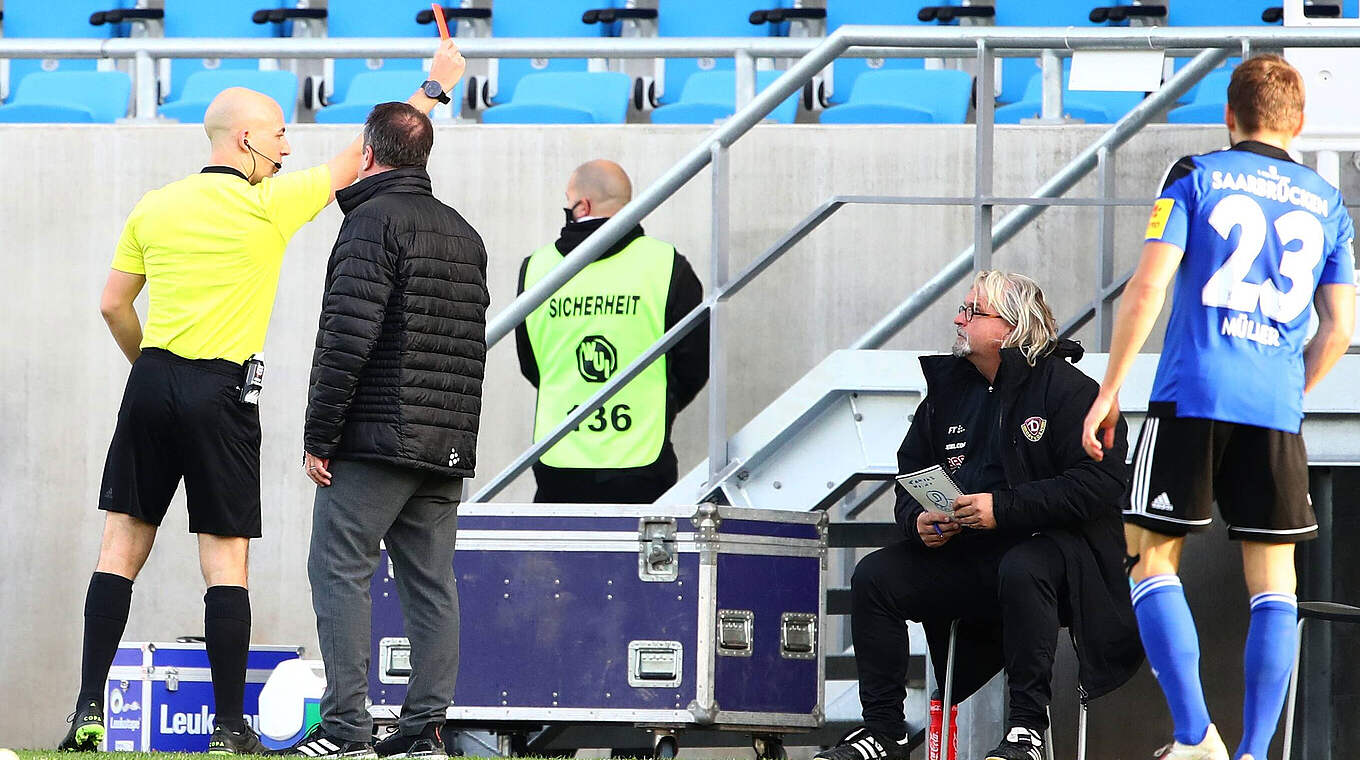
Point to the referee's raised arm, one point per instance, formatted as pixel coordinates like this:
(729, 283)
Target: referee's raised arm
(446, 68)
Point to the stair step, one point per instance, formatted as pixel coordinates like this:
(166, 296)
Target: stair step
(841, 667)
(862, 534)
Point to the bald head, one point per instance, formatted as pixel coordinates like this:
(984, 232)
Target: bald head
(603, 183)
(237, 108)
(237, 117)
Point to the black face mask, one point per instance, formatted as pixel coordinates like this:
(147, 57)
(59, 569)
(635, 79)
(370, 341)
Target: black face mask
(571, 210)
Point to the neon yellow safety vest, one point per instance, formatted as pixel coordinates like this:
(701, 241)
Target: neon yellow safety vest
(601, 320)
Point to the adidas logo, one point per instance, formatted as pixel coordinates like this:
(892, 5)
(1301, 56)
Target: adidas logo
(1162, 502)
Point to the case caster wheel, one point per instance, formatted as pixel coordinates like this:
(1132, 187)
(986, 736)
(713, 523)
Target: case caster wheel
(666, 748)
(769, 747)
(513, 744)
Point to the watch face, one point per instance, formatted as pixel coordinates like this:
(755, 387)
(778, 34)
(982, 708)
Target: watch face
(432, 88)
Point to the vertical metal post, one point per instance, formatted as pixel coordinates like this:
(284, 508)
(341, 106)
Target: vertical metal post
(717, 345)
(1315, 738)
(746, 77)
(1104, 316)
(1052, 107)
(982, 154)
(144, 69)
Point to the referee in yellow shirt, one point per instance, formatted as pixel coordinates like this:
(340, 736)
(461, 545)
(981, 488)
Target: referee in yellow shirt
(209, 249)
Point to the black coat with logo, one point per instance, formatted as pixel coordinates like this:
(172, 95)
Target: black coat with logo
(1052, 487)
(401, 348)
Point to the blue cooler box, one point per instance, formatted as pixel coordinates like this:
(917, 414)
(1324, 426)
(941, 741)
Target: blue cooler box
(659, 616)
(160, 696)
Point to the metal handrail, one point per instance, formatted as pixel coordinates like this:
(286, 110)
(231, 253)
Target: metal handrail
(1060, 183)
(1216, 41)
(867, 41)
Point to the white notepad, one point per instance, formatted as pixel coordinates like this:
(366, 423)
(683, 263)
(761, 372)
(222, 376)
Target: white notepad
(932, 488)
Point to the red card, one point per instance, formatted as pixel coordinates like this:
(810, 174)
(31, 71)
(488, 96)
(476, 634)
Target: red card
(439, 19)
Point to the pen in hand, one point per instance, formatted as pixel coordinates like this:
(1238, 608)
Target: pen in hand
(937, 529)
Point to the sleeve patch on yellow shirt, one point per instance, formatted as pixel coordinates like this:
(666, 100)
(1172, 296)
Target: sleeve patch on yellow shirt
(1161, 211)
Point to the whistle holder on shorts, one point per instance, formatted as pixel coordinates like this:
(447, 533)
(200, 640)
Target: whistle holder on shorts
(253, 381)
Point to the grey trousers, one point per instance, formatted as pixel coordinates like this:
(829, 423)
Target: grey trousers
(417, 514)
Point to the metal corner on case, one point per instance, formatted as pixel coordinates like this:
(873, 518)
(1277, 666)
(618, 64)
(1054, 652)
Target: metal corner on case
(706, 519)
(704, 715)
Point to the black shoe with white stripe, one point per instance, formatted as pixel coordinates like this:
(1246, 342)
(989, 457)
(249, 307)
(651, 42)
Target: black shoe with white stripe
(1020, 744)
(860, 744)
(317, 743)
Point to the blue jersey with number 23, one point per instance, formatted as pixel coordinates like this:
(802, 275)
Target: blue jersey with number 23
(1260, 233)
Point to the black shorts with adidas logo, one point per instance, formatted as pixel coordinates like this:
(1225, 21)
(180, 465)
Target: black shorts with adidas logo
(1258, 476)
(181, 419)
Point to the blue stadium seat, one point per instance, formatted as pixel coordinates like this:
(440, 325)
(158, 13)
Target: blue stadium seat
(69, 96)
(705, 18)
(1016, 72)
(67, 19)
(906, 97)
(842, 12)
(535, 18)
(217, 18)
(1211, 95)
(1094, 107)
(711, 96)
(565, 97)
(1222, 13)
(203, 86)
(366, 18)
(369, 88)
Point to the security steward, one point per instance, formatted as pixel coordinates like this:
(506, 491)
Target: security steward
(209, 248)
(596, 324)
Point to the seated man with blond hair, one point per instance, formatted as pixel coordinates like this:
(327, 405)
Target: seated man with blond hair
(1034, 543)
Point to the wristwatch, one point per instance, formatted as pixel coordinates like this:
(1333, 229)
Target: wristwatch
(434, 90)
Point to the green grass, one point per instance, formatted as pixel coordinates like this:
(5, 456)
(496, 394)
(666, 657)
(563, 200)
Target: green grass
(47, 754)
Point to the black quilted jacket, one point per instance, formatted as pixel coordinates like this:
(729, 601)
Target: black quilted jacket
(401, 348)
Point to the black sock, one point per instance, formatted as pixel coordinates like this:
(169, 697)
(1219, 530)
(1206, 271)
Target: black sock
(106, 613)
(226, 629)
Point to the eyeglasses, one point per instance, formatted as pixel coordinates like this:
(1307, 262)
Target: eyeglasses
(969, 311)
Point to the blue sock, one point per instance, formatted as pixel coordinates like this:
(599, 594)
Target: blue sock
(1172, 647)
(1267, 663)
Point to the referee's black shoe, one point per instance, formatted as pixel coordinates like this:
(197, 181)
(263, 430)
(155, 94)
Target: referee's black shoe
(87, 729)
(317, 743)
(242, 741)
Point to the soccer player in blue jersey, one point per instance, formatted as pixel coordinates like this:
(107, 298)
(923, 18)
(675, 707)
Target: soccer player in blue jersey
(1252, 239)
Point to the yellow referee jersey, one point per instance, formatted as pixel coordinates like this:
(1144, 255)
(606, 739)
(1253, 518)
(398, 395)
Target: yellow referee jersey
(211, 247)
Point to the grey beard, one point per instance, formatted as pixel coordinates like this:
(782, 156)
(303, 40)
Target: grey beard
(962, 349)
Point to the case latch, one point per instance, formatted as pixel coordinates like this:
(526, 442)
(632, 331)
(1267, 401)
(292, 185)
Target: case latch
(735, 630)
(394, 660)
(657, 556)
(172, 679)
(655, 664)
(798, 636)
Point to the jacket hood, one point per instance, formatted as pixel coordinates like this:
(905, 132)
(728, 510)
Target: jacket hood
(575, 233)
(409, 180)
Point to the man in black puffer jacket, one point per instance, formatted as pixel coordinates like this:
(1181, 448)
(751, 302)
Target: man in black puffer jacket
(1035, 541)
(391, 430)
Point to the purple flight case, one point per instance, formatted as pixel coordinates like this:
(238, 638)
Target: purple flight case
(660, 616)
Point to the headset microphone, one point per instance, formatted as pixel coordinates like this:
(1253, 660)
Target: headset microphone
(277, 165)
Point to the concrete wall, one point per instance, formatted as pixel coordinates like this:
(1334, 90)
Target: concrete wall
(69, 189)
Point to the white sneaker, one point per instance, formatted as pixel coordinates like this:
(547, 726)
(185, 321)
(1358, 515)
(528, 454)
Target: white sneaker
(1210, 748)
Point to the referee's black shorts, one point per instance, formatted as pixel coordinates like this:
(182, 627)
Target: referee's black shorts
(180, 418)
(1258, 477)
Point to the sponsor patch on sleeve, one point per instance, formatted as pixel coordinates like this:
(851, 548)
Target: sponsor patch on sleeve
(1161, 212)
